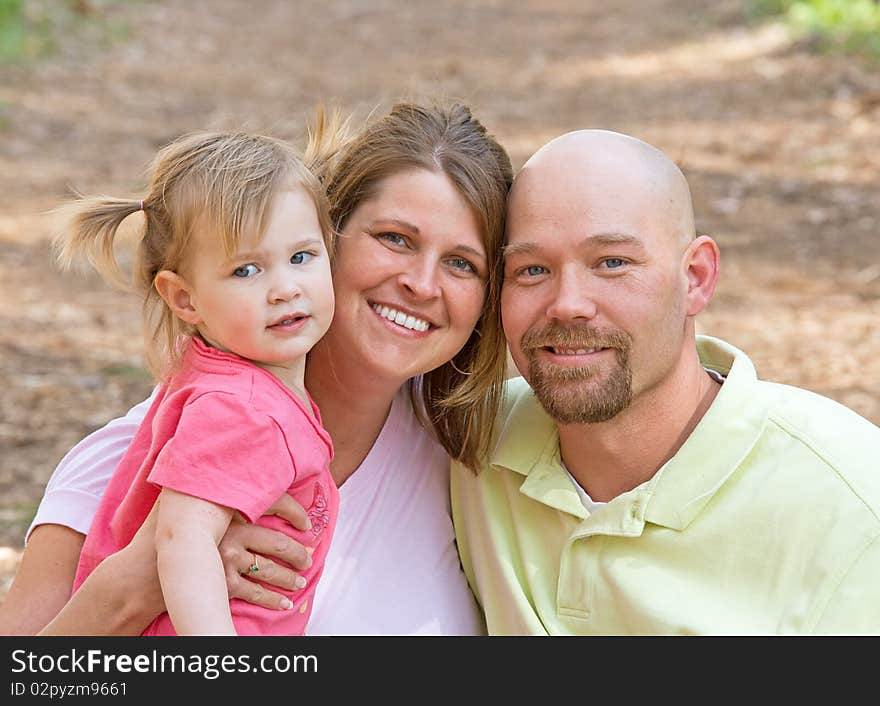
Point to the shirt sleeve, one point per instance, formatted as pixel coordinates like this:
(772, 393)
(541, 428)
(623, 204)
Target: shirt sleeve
(78, 482)
(227, 453)
(854, 607)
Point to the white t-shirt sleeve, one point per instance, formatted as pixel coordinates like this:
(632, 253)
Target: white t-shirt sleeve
(77, 484)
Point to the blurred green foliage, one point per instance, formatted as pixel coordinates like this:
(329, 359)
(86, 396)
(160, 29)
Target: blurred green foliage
(847, 25)
(30, 28)
(12, 29)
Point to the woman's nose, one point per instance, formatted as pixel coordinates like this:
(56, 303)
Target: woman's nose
(421, 281)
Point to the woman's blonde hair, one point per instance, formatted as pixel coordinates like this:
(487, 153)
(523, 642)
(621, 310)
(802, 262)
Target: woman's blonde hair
(460, 398)
(225, 180)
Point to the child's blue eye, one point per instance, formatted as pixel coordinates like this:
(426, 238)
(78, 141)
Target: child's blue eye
(248, 270)
(298, 258)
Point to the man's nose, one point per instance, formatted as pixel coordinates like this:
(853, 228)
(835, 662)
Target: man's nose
(573, 297)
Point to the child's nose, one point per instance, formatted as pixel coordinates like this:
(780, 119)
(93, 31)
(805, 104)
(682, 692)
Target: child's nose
(284, 291)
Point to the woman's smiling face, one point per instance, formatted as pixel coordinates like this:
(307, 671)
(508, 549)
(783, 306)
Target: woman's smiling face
(409, 277)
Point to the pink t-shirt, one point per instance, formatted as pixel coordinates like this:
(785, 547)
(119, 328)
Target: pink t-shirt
(393, 539)
(229, 432)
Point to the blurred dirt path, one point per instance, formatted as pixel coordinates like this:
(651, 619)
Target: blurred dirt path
(782, 148)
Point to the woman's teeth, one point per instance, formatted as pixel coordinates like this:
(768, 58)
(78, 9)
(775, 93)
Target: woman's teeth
(401, 319)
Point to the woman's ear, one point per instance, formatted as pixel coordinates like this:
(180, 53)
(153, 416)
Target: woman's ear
(701, 260)
(177, 294)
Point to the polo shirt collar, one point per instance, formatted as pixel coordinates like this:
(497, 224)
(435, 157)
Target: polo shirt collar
(675, 495)
(721, 440)
(529, 445)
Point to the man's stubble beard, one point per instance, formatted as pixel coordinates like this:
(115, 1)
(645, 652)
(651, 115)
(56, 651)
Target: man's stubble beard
(580, 395)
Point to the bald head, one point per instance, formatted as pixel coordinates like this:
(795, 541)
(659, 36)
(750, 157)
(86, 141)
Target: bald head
(613, 176)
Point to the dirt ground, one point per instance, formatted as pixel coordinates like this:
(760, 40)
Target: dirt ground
(781, 146)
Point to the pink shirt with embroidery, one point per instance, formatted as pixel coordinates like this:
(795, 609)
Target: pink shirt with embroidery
(226, 431)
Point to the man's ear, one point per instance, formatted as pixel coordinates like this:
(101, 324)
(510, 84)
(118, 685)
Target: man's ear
(701, 262)
(177, 294)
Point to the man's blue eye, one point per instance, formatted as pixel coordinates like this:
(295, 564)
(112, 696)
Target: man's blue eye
(245, 271)
(613, 263)
(298, 258)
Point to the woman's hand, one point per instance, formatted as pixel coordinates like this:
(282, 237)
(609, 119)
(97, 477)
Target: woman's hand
(242, 541)
(121, 596)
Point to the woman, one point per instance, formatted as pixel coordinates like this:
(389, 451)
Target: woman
(409, 373)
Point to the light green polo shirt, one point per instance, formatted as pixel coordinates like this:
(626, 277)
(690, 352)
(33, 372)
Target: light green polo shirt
(767, 521)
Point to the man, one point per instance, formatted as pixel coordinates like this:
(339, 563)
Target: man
(644, 480)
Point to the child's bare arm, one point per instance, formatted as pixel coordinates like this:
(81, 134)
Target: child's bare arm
(188, 530)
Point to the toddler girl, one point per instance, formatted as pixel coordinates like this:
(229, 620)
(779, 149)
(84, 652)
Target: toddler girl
(234, 267)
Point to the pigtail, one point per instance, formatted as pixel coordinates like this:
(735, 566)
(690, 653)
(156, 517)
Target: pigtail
(91, 225)
(328, 134)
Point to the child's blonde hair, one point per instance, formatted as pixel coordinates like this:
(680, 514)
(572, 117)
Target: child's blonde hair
(228, 179)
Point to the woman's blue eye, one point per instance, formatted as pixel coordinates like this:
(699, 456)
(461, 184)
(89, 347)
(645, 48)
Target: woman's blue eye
(534, 270)
(459, 263)
(298, 258)
(248, 270)
(393, 238)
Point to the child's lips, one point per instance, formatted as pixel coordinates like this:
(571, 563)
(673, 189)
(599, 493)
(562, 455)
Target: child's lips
(289, 320)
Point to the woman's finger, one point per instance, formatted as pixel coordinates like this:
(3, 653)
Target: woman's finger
(289, 509)
(264, 569)
(257, 594)
(241, 540)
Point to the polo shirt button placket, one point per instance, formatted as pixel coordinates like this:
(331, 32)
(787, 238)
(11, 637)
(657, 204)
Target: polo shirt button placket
(574, 589)
(637, 515)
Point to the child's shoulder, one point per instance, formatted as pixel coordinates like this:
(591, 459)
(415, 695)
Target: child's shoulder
(195, 378)
(215, 405)
(238, 386)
